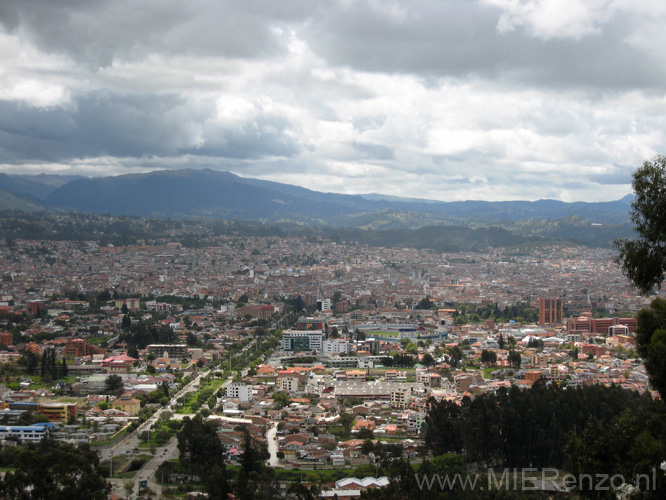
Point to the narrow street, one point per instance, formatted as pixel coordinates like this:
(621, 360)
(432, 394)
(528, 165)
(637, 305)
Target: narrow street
(271, 438)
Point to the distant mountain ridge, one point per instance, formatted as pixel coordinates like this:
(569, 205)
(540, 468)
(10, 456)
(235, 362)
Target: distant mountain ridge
(223, 195)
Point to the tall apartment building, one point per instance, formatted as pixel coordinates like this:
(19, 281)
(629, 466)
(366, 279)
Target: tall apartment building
(300, 341)
(323, 304)
(401, 397)
(551, 312)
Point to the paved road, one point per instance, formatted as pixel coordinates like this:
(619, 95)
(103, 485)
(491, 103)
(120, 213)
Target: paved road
(271, 440)
(126, 446)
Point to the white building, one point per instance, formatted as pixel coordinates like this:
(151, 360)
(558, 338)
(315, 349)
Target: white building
(25, 434)
(241, 392)
(336, 346)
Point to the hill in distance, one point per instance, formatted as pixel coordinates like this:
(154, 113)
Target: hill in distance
(208, 193)
(215, 195)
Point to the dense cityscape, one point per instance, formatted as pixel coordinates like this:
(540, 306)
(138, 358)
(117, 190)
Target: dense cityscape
(328, 358)
(345, 250)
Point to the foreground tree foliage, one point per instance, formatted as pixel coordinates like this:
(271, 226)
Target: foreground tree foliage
(644, 260)
(55, 471)
(445, 477)
(526, 428)
(201, 453)
(651, 343)
(631, 447)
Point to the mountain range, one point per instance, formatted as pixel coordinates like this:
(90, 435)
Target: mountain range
(210, 194)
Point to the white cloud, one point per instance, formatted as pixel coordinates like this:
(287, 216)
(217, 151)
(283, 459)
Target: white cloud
(445, 99)
(30, 76)
(554, 18)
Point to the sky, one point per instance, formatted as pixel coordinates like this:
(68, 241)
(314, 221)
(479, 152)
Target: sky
(439, 99)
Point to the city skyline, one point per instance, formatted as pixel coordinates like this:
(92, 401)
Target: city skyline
(456, 100)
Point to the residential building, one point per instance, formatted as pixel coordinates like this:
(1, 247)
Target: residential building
(79, 347)
(241, 392)
(401, 397)
(62, 412)
(336, 346)
(302, 340)
(171, 351)
(127, 404)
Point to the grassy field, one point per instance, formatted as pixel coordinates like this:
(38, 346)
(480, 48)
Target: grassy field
(107, 442)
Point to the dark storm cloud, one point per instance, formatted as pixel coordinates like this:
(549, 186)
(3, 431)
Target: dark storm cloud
(95, 32)
(105, 124)
(433, 39)
(460, 38)
(98, 125)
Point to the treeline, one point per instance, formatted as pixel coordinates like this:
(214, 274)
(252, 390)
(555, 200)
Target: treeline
(116, 230)
(536, 427)
(437, 235)
(140, 334)
(54, 470)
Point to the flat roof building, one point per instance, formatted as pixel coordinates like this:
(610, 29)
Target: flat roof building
(301, 341)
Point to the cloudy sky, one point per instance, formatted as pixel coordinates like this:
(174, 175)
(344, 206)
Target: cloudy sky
(441, 99)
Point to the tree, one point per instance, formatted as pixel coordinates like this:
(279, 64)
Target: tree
(129, 489)
(442, 427)
(113, 384)
(132, 352)
(651, 343)
(49, 367)
(488, 356)
(514, 359)
(368, 446)
(455, 355)
(200, 451)
(281, 398)
(126, 322)
(56, 471)
(644, 260)
(427, 359)
(425, 303)
(251, 463)
(30, 360)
